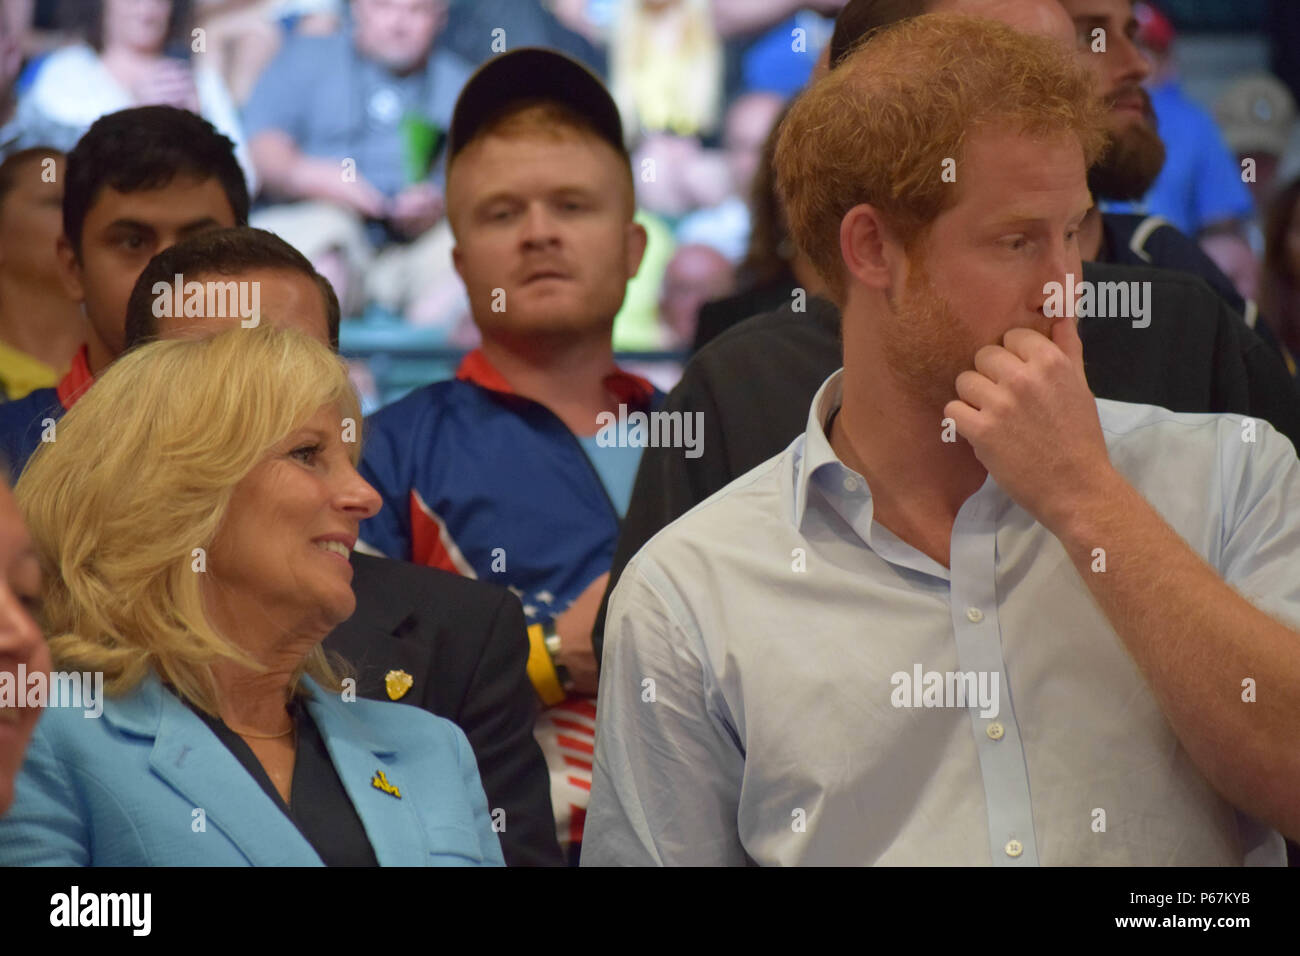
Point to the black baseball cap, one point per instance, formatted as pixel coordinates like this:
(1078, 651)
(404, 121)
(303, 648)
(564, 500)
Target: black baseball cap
(533, 73)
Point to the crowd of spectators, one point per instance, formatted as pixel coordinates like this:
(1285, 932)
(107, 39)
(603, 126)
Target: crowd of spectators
(339, 108)
(339, 113)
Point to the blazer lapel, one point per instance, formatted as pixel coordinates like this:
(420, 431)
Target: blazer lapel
(391, 822)
(197, 765)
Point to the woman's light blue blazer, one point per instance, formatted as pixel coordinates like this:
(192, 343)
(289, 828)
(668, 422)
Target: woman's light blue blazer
(148, 784)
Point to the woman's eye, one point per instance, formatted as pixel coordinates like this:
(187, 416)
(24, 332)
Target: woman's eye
(32, 604)
(306, 454)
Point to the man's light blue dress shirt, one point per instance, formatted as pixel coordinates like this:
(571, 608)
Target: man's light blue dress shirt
(753, 646)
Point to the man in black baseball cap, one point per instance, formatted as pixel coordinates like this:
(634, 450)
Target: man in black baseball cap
(533, 73)
(508, 473)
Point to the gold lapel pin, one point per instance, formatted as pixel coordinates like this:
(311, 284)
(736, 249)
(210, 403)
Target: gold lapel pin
(397, 684)
(380, 782)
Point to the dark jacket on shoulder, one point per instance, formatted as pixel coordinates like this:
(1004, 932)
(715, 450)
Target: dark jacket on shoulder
(463, 642)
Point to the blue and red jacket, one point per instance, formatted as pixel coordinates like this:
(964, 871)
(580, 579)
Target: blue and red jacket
(478, 480)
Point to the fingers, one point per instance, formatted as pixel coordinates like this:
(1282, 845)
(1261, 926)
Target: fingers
(998, 366)
(1065, 334)
(976, 390)
(963, 416)
(1032, 346)
(1027, 344)
(997, 363)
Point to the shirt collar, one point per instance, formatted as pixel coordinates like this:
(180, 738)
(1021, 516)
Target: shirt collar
(843, 491)
(627, 388)
(816, 453)
(73, 385)
(817, 470)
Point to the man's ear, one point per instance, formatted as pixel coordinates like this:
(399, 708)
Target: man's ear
(637, 238)
(69, 269)
(871, 253)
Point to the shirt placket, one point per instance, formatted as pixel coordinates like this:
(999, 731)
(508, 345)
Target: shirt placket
(976, 627)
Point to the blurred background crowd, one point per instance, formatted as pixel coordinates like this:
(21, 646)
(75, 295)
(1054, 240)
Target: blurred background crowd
(338, 109)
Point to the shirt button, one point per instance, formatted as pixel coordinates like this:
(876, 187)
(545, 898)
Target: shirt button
(1014, 849)
(850, 483)
(994, 730)
(974, 615)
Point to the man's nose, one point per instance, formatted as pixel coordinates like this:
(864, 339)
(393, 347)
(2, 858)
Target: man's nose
(1058, 265)
(538, 227)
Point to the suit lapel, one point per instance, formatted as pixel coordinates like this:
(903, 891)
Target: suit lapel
(383, 634)
(198, 766)
(391, 823)
(374, 654)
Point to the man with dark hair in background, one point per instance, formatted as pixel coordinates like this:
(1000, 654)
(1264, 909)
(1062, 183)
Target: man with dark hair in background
(137, 182)
(1106, 34)
(290, 291)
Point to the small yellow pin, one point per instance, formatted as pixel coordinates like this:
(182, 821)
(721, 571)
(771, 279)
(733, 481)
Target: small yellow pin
(380, 782)
(397, 683)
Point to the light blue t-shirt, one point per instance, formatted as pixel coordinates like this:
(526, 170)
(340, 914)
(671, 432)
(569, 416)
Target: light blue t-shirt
(616, 467)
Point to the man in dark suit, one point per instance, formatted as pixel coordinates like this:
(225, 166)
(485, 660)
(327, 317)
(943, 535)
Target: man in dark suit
(452, 645)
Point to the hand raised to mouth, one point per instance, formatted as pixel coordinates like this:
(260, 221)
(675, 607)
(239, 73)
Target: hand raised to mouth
(1031, 419)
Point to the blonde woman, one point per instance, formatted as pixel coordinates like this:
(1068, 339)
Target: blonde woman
(195, 514)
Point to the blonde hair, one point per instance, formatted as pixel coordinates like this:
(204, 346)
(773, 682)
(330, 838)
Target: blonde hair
(879, 127)
(140, 474)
